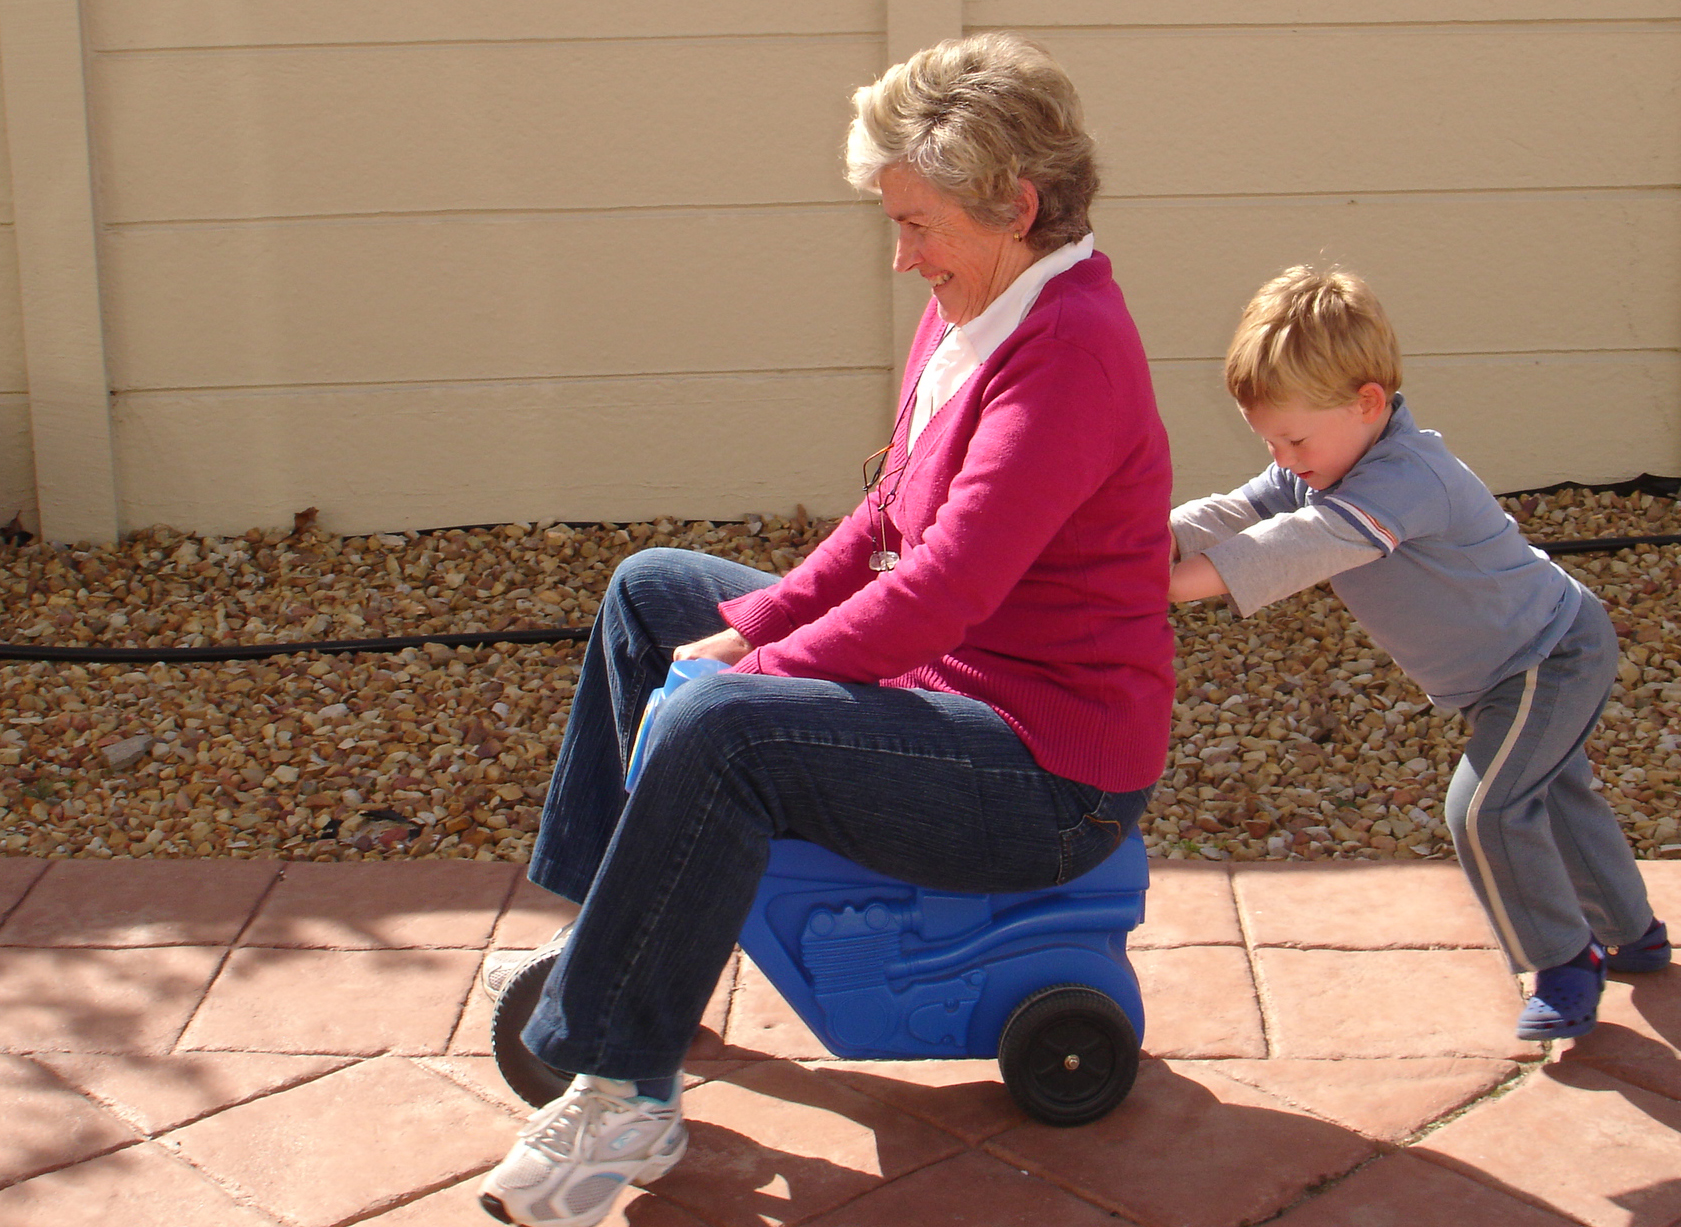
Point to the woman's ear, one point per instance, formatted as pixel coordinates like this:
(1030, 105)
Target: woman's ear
(1027, 208)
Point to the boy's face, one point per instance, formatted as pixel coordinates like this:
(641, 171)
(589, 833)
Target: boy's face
(1320, 446)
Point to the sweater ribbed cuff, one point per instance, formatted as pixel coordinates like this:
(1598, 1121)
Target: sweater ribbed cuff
(758, 617)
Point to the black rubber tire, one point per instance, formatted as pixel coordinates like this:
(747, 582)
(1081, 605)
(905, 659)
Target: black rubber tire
(1062, 1024)
(529, 1078)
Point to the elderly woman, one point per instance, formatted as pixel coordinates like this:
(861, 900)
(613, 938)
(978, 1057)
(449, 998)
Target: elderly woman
(967, 685)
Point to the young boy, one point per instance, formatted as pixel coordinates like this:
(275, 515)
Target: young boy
(1439, 576)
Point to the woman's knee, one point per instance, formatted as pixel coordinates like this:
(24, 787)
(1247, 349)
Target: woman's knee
(647, 567)
(716, 714)
(646, 583)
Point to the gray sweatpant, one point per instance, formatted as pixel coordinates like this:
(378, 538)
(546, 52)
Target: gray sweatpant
(1543, 850)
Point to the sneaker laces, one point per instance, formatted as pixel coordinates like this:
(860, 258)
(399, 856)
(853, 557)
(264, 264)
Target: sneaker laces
(557, 1129)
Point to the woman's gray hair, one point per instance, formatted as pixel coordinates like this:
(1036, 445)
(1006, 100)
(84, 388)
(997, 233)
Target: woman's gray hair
(972, 116)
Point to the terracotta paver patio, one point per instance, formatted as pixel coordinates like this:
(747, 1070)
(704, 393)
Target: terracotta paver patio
(257, 1044)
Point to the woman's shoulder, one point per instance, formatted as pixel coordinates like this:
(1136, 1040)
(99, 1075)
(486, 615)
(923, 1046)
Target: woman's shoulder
(1084, 308)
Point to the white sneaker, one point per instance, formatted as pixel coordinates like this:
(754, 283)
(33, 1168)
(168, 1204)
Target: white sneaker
(576, 1155)
(501, 966)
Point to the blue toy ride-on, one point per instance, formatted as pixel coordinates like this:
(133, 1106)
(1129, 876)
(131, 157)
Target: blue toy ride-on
(881, 969)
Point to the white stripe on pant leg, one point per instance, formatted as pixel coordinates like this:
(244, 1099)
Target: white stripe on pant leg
(1496, 905)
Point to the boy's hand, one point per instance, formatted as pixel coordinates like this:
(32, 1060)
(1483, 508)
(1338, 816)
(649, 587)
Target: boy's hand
(1195, 579)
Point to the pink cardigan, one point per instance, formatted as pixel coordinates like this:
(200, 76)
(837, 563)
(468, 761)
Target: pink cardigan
(1032, 524)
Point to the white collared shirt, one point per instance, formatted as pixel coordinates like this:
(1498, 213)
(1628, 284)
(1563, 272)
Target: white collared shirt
(966, 346)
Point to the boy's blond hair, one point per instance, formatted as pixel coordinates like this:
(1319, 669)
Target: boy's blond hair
(1317, 335)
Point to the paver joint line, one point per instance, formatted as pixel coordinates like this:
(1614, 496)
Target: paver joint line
(1302, 1094)
(1263, 1000)
(1526, 1070)
(227, 953)
(1315, 1191)
(35, 881)
(235, 1192)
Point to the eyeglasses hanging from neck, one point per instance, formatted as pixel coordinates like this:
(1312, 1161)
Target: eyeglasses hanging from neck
(881, 558)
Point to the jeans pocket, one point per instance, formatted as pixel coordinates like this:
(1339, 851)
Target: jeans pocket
(1086, 844)
(1084, 848)
(1108, 820)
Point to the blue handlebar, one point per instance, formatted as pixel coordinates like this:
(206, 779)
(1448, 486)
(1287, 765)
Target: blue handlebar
(681, 671)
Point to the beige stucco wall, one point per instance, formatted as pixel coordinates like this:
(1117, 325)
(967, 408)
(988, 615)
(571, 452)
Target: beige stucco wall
(17, 453)
(1508, 187)
(415, 262)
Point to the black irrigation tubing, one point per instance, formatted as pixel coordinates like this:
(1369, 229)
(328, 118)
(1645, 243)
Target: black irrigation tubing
(259, 651)
(1604, 545)
(481, 639)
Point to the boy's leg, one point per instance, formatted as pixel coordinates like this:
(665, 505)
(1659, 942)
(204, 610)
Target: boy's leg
(1597, 856)
(1525, 734)
(930, 787)
(658, 600)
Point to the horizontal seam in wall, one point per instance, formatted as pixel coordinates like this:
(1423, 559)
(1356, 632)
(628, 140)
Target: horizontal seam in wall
(1489, 357)
(494, 215)
(875, 36)
(1469, 357)
(1642, 191)
(1505, 195)
(781, 372)
(1540, 24)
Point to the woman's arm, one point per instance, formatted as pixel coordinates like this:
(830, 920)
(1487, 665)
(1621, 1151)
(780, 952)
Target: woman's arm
(1051, 433)
(837, 568)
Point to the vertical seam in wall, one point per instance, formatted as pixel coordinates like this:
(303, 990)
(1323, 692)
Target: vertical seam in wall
(43, 72)
(911, 26)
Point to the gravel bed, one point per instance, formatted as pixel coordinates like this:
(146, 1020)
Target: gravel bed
(1294, 736)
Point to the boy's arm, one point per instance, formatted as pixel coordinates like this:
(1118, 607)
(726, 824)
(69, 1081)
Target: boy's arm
(1272, 559)
(1194, 579)
(1202, 522)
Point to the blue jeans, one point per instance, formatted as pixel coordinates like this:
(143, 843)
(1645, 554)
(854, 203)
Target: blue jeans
(932, 788)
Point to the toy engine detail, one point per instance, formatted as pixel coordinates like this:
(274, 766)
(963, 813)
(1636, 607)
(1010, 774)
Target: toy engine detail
(847, 952)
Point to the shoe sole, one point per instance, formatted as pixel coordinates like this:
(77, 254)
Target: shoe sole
(649, 1172)
(1564, 1031)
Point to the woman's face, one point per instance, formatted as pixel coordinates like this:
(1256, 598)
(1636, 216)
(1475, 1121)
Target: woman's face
(966, 264)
